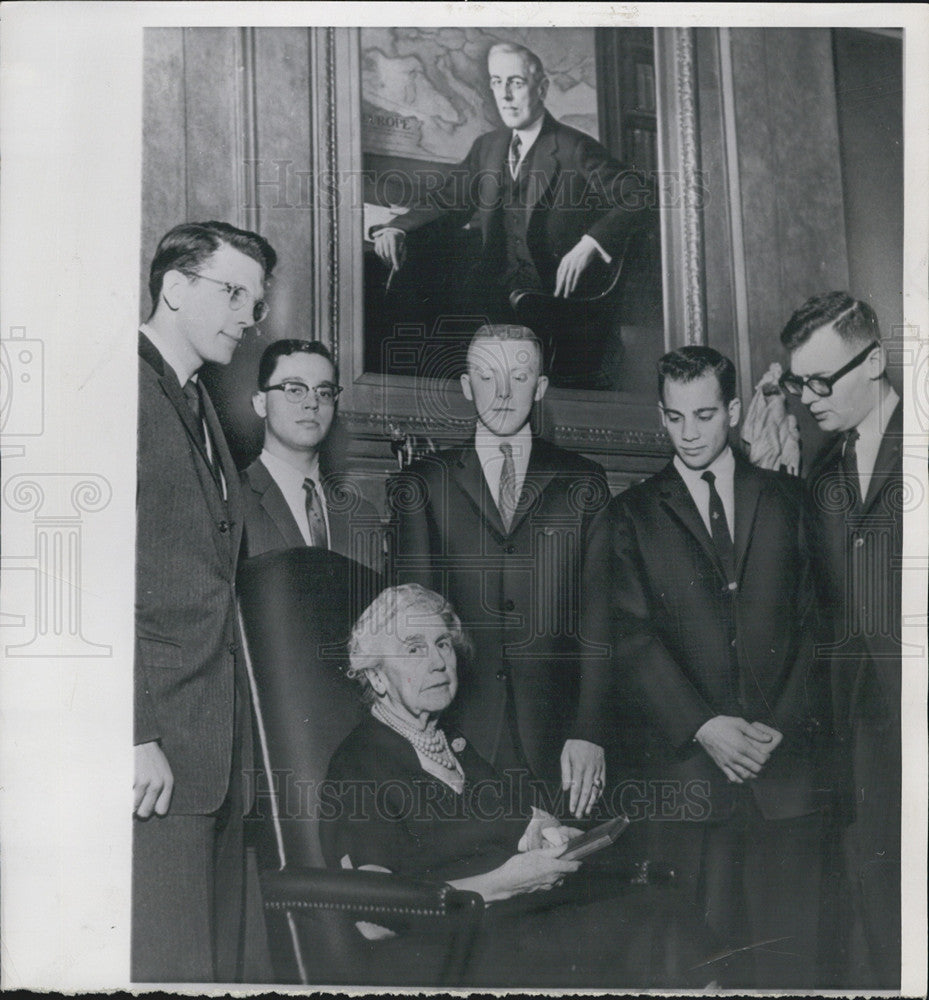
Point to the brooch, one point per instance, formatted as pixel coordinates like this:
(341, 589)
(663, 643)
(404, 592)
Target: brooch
(458, 744)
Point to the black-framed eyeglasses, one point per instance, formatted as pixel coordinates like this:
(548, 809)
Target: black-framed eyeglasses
(822, 384)
(295, 392)
(238, 296)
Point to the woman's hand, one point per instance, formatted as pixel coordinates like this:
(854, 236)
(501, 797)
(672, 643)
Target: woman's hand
(533, 838)
(530, 871)
(545, 831)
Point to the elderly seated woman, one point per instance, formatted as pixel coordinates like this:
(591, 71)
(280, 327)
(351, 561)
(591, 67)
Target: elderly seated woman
(419, 801)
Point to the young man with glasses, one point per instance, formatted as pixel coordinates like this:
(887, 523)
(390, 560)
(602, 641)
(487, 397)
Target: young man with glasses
(190, 890)
(293, 496)
(854, 500)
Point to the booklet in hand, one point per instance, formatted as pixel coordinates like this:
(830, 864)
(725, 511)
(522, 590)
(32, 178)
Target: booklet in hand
(594, 840)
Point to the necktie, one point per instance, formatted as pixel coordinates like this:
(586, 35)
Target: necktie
(314, 516)
(192, 395)
(722, 540)
(506, 494)
(515, 146)
(850, 465)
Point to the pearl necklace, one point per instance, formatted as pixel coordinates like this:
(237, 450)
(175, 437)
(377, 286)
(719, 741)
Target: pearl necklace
(433, 745)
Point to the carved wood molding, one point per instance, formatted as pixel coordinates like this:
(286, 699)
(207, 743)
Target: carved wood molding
(245, 143)
(682, 187)
(375, 426)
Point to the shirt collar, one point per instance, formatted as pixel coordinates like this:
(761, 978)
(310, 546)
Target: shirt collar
(282, 470)
(528, 135)
(723, 467)
(487, 444)
(169, 353)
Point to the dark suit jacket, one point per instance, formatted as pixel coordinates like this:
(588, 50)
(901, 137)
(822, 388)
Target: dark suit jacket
(354, 526)
(656, 591)
(575, 187)
(191, 692)
(857, 552)
(517, 593)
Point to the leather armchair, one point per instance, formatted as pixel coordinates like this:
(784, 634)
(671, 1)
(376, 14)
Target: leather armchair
(297, 607)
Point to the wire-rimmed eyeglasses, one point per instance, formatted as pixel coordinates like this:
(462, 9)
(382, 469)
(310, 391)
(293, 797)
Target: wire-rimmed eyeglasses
(238, 296)
(296, 392)
(822, 384)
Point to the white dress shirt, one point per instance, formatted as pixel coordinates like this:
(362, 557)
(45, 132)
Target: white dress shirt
(870, 434)
(290, 482)
(487, 446)
(723, 467)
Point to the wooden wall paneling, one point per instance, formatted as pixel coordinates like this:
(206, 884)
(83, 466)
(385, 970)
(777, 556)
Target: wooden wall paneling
(869, 85)
(792, 208)
(274, 107)
(213, 124)
(164, 146)
(283, 177)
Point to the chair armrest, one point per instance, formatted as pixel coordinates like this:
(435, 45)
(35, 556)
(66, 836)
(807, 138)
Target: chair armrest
(364, 894)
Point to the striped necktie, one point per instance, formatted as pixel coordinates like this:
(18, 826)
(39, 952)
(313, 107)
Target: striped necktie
(314, 516)
(506, 494)
(516, 145)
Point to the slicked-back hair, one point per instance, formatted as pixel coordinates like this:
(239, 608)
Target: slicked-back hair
(693, 362)
(853, 320)
(383, 616)
(534, 62)
(187, 246)
(284, 348)
(509, 331)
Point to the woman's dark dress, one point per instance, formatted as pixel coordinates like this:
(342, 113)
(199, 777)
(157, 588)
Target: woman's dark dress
(597, 930)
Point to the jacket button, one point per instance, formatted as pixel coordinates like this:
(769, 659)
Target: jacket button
(233, 647)
(508, 605)
(509, 548)
(223, 526)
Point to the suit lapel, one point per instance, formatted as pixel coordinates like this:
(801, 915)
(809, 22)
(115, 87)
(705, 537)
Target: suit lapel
(224, 463)
(676, 497)
(539, 474)
(274, 504)
(544, 164)
(469, 476)
(887, 463)
(491, 181)
(170, 386)
(747, 493)
(338, 516)
(167, 381)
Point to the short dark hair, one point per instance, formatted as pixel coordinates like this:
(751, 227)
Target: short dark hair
(853, 320)
(692, 362)
(284, 348)
(187, 246)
